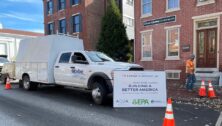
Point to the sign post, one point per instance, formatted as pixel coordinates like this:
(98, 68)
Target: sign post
(139, 89)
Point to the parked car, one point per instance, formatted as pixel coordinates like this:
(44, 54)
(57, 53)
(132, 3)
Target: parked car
(62, 60)
(8, 70)
(3, 60)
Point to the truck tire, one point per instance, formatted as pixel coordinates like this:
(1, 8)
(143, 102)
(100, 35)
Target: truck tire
(27, 84)
(99, 93)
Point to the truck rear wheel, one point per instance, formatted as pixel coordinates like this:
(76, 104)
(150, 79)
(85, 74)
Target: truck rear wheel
(99, 93)
(27, 84)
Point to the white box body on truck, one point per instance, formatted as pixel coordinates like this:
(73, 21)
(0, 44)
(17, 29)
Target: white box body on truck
(61, 60)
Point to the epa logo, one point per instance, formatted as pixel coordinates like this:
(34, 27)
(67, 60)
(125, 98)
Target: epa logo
(140, 102)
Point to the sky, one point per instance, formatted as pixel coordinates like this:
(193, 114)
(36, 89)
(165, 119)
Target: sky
(24, 15)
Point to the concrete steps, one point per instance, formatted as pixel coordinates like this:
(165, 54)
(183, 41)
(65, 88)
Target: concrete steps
(214, 77)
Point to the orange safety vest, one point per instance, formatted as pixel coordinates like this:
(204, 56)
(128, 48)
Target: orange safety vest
(189, 67)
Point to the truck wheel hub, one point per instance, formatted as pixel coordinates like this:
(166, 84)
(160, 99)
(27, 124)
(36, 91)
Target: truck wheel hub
(96, 93)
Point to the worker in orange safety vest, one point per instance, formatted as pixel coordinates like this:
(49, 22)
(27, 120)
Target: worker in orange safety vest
(191, 79)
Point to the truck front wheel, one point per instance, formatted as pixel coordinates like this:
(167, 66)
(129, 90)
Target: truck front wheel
(27, 85)
(99, 93)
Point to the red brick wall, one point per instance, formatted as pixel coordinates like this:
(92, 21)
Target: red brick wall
(95, 11)
(183, 18)
(91, 12)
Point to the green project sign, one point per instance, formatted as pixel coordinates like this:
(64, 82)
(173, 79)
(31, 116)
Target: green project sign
(160, 21)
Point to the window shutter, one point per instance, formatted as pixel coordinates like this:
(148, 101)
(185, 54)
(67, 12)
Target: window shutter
(80, 22)
(65, 26)
(71, 24)
(47, 28)
(71, 2)
(57, 5)
(46, 8)
(53, 25)
(59, 28)
(65, 4)
(52, 7)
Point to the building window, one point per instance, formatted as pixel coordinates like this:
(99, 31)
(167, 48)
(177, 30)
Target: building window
(173, 4)
(173, 74)
(3, 49)
(204, 2)
(61, 4)
(62, 26)
(49, 7)
(129, 2)
(146, 41)
(128, 21)
(50, 28)
(146, 7)
(207, 24)
(173, 42)
(75, 2)
(76, 23)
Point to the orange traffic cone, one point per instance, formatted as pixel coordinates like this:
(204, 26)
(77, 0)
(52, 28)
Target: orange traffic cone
(211, 93)
(202, 90)
(169, 118)
(8, 85)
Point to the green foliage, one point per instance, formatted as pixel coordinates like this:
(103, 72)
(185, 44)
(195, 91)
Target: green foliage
(113, 38)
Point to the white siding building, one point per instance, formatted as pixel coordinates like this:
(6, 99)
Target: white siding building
(10, 39)
(128, 17)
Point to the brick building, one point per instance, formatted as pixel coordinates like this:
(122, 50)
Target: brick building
(75, 17)
(80, 18)
(168, 31)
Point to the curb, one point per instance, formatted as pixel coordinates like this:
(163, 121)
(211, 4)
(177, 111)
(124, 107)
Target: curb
(219, 121)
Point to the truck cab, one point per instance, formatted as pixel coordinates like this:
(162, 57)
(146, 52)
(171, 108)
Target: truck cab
(89, 70)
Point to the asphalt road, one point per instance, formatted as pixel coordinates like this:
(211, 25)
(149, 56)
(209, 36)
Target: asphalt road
(49, 106)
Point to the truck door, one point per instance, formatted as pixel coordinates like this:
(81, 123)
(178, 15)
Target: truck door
(79, 69)
(62, 69)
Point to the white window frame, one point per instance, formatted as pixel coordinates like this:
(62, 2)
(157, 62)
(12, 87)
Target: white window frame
(128, 21)
(63, 18)
(151, 44)
(148, 14)
(75, 4)
(205, 2)
(80, 23)
(47, 2)
(173, 71)
(171, 9)
(59, 6)
(167, 32)
(128, 2)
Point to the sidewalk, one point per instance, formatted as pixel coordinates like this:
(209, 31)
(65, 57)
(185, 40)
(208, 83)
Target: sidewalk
(180, 95)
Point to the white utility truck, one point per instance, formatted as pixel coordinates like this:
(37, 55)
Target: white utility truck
(62, 60)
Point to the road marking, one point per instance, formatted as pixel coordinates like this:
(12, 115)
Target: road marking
(219, 121)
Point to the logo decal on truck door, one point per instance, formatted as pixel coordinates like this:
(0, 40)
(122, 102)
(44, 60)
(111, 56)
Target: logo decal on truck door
(77, 71)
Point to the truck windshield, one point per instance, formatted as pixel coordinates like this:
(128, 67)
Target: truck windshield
(98, 57)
